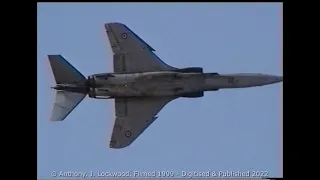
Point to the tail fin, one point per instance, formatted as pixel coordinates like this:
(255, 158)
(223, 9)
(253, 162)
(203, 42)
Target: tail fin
(65, 101)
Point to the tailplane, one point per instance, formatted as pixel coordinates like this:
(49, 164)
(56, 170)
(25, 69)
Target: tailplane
(64, 73)
(64, 103)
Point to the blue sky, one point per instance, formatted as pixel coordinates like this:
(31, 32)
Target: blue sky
(227, 130)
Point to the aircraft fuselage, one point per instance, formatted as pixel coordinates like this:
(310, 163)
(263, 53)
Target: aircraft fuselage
(164, 83)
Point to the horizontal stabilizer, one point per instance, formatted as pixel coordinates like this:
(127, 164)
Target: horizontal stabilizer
(65, 102)
(63, 71)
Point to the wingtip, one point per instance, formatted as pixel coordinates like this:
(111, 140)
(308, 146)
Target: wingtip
(112, 23)
(114, 145)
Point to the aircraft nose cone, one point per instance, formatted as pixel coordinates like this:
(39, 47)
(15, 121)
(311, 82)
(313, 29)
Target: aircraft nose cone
(273, 79)
(280, 79)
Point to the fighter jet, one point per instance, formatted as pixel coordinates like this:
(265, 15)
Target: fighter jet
(141, 84)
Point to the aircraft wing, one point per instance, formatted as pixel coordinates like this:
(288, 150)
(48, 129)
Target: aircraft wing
(131, 54)
(133, 116)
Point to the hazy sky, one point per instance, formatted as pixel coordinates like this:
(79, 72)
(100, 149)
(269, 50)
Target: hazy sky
(227, 130)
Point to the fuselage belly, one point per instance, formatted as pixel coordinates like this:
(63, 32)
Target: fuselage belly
(147, 84)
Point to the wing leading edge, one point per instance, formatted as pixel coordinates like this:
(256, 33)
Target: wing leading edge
(131, 54)
(133, 116)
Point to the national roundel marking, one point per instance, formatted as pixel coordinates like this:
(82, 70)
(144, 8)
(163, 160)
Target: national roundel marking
(124, 35)
(127, 133)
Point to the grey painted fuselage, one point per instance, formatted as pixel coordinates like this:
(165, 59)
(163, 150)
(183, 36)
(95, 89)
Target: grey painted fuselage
(166, 83)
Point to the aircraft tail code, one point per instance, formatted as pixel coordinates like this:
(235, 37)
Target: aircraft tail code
(65, 102)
